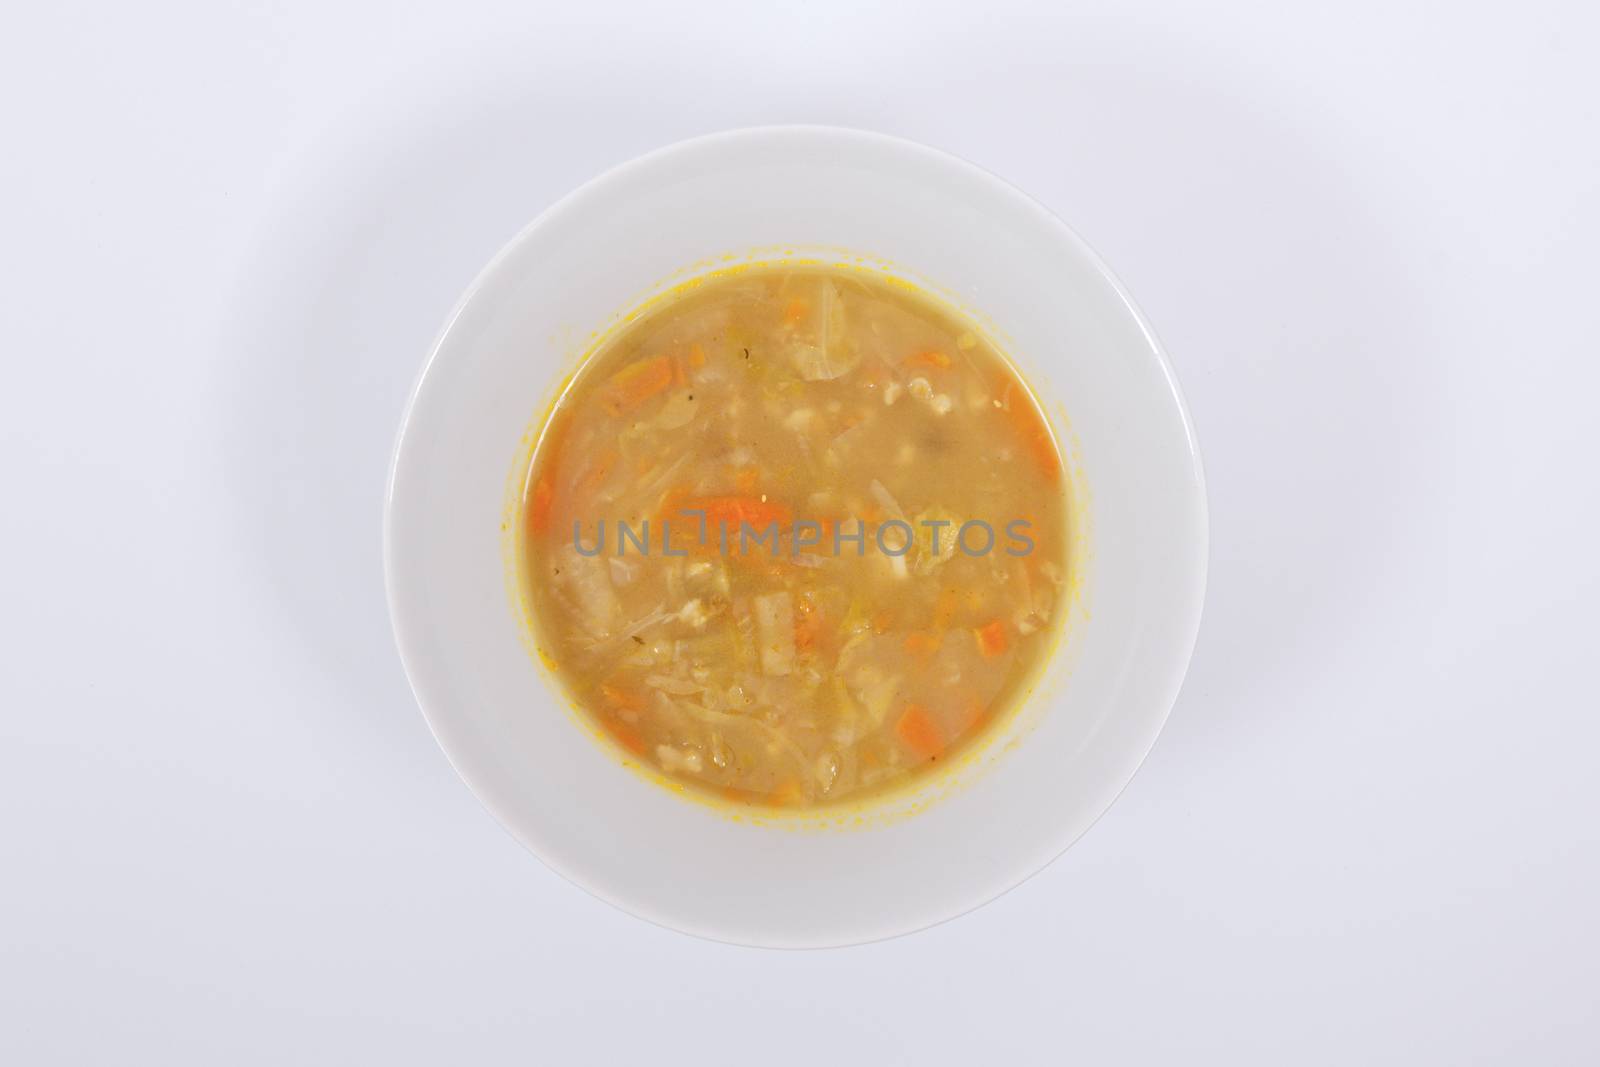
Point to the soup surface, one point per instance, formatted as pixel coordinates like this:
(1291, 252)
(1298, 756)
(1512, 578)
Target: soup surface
(796, 534)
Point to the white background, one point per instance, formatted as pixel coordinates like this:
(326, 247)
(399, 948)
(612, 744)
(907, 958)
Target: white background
(1367, 234)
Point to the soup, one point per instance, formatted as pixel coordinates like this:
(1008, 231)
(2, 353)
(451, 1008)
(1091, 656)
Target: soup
(795, 535)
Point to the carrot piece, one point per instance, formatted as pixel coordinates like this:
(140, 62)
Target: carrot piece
(992, 638)
(1031, 428)
(787, 792)
(621, 698)
(625, 735)
(917, 730)
(634, 384)
(930, 357)
(883, 621)
(795, 310)
(921, 644)
(807, 624)
(540, 502)
(730, 512)
(734, 510)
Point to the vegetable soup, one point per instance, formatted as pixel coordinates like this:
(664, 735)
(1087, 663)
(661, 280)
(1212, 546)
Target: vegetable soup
(796, 534)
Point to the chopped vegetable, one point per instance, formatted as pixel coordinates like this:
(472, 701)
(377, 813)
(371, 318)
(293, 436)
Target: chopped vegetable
(634, 384)
(928, 357)
(679, 409)
(992, 639)
(891, 506)
(624, 571)
(827, 771)
(627, 736)
(539, 504)
(674, 759)
(807, 625)
(584, 585)
(919, 732)
(1030, 428)
(619, 697)
(775, 632)
(675, 686)
(821, 350)
(731, 511)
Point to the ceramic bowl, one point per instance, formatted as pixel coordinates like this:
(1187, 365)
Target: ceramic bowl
(908, 860)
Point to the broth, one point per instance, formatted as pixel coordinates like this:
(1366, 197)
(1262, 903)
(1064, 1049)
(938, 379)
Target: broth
(796, 535)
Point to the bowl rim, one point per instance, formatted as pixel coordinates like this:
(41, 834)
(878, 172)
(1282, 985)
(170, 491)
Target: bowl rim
(407, 642)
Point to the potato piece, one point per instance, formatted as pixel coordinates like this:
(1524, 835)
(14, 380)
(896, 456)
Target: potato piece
(775, 632)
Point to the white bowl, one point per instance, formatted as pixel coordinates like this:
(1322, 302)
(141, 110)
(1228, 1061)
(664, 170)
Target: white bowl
(915, 858)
